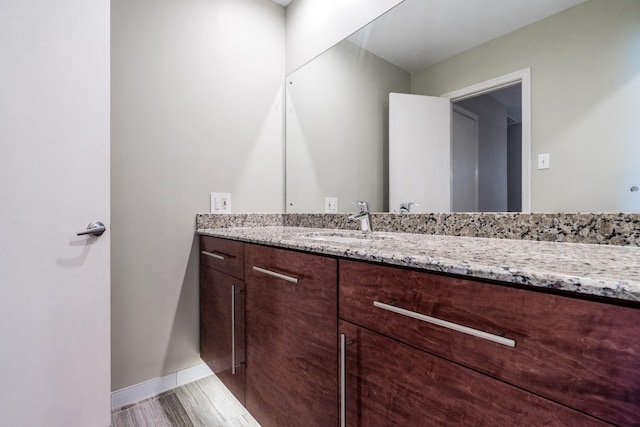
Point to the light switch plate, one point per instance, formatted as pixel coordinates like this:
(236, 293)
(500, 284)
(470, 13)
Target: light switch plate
(543, 161)
(330, 205)
(220, 203)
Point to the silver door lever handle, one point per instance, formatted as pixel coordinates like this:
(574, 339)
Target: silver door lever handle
(95, 229)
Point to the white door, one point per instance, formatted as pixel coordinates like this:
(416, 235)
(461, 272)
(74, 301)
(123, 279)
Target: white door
(419, 152)
(54, 180)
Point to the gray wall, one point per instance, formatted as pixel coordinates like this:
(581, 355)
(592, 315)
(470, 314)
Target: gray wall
(586, 122)
(196, 107)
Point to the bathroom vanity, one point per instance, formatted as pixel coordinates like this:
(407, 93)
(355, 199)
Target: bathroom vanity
(404, 329)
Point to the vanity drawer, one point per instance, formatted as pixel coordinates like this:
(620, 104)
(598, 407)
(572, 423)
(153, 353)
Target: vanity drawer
(224, 255)
(583, 354)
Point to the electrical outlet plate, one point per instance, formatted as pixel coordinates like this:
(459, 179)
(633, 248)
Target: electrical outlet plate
(220, 203)
(543, 161)
(330, 205)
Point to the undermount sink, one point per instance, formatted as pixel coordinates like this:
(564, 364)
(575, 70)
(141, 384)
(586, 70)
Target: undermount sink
(336, 237)
(341, 239)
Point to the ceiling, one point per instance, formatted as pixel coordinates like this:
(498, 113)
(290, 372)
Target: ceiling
(283, 3)
(419, 33)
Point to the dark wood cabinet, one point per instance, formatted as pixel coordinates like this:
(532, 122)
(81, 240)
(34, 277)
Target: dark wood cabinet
(421, 348)
(389, 383)
(222, 322)
(582, 354)
(291, 325)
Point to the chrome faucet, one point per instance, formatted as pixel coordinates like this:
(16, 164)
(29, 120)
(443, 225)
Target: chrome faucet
(364, 216)
(406, 207)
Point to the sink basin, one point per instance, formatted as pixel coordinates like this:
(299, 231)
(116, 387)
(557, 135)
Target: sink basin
(341, 239)
(336, 237)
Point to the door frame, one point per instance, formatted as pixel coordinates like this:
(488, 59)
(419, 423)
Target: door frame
(522, 77)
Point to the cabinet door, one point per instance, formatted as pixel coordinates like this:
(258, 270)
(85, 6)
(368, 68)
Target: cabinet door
(389, 383)
(583, 354)
(222, 328)
(291, 338)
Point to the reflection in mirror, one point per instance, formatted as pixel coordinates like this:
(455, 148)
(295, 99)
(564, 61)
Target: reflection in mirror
(486, 152)
(336, 129)
(470, 151)
(585, 79)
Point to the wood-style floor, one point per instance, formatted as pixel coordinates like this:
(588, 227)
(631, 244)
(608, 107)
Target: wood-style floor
(203, 403)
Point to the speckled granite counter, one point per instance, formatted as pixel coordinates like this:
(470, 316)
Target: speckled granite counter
(601, 228)
(601, 270)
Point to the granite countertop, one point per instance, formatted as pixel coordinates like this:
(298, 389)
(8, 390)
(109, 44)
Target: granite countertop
(601, 270)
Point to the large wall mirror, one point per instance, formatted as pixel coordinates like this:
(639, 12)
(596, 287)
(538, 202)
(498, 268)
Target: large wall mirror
(584, 84)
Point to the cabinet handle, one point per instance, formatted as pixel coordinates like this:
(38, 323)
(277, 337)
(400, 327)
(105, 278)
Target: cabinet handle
(212, 255)
(343, 380)
(445, 324)
(274, 274)
(233, 329)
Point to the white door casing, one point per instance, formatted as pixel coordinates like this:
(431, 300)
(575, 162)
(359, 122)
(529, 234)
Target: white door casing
(54, 181)
(419, 152)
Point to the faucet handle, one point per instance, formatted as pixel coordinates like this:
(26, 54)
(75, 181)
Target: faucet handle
(406, 207)
(364, 206)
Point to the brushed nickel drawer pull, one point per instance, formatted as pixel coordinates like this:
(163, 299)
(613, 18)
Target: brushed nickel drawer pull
(445, 324)
(343, 380)
(274, 274)
(212, 255)
(233, 329)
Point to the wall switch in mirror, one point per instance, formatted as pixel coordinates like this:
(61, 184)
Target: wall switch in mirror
(220, 203)
(330, 205)
(543, 161)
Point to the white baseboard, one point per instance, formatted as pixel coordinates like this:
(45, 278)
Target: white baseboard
(159, 385)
